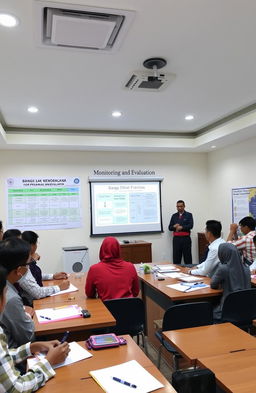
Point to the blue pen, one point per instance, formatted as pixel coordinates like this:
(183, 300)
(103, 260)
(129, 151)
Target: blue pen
(131, 385)
(65, 336)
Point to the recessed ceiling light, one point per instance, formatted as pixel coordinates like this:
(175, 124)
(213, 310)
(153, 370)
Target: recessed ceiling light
(189, 117)
(7, 20)
(32, 109)
(213, 146)
(116, 113)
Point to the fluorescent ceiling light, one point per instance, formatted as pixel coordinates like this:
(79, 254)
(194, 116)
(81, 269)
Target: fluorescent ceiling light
(213, 146)
(7, 20)
(32, 109)
(116, 113)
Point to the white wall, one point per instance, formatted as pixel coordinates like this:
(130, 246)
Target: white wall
(229, 168)
(185, 177)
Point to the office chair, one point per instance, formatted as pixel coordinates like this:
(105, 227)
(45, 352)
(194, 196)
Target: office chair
(239, 308)
(130, 317)
(182, 316)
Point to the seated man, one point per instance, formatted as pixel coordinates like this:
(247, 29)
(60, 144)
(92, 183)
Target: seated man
(112, 278)
(16, 323)
(245, 242)
(213, 236)
(12, 233)
(32, 286)
(11, 379)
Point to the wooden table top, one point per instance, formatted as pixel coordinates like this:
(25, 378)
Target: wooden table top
(68, 378)
(100, 316)
(235, 372)
(211, 340)
(173, 294)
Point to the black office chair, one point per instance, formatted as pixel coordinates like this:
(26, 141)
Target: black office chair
(129, 314)
(239, 308)
(182, 316)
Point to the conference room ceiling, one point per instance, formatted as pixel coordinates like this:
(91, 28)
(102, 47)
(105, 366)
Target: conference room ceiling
(208, 45)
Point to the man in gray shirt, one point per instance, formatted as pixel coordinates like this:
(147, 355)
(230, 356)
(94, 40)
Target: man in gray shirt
(16, 323)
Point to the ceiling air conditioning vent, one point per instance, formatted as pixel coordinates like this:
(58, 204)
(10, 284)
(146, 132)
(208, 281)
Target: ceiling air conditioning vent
(78, 27)
(146, 81)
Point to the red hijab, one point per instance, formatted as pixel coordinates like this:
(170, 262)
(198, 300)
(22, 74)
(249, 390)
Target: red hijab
(110, 250)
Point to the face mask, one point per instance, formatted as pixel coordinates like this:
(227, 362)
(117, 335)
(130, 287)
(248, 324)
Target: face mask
(23, 278)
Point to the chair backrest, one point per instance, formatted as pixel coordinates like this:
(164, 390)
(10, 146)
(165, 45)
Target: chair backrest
(182, 316)
(239, 307)
(129, 314)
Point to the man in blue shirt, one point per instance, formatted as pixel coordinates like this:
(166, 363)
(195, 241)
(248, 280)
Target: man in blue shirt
(181, 224)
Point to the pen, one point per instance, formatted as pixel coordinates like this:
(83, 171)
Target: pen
(131, 385)
(42, 316)
(65, 336)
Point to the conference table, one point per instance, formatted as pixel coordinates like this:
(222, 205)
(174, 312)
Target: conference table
(234, 372)
(211, 340)
(79, 327)
(75, 377)
(158, 297)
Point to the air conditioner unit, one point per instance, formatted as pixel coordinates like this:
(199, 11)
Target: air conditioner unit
(81, 27)
(75, 259)
(146, 81)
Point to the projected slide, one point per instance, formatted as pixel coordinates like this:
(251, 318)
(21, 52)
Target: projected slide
(125, 207)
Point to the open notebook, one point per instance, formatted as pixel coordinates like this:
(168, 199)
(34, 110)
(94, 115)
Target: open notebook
(118, 379)
(76, 354)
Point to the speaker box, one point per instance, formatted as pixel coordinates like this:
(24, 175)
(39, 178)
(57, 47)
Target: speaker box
(75, 259)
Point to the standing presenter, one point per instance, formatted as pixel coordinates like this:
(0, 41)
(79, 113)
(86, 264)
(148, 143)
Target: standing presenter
(181, 224)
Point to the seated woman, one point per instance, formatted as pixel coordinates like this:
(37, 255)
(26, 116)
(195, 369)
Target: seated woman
(231, 274)
(111, 278)
(11, 380)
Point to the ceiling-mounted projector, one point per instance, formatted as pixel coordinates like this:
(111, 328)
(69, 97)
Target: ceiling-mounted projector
(150, 80)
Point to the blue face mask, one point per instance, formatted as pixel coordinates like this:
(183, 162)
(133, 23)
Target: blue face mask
(23, 278)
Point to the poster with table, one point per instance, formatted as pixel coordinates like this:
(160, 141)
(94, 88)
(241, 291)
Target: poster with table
(43, 203)
(243, 203)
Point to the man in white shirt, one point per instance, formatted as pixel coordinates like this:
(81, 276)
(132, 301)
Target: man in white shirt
(213, 236)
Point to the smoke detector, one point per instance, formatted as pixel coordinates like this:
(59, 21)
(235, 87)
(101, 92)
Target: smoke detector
(81, 27)
(150, 80)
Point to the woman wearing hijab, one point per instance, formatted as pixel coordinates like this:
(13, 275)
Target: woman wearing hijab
(231, 275)
(112, 277)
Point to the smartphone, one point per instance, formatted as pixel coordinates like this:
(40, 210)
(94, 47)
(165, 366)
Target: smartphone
(65, 336)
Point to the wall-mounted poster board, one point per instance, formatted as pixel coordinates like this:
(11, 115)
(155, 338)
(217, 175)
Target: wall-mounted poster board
(43, 203)
(243, 203)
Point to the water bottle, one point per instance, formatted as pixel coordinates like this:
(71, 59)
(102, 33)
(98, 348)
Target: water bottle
(141, 269)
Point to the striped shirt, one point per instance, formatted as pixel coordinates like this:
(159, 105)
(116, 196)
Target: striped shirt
(31, 290)
(11, 381)
(246, 245)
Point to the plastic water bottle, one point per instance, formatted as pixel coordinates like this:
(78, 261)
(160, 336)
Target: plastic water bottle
(141, 270)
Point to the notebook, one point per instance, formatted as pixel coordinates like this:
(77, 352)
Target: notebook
(187, 287)
(128, 373)
(61, 313)
(76, 354)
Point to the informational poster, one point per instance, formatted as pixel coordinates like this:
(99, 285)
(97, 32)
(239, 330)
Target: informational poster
(43, 203)
(243, 203)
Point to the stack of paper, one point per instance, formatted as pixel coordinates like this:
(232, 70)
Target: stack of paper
(188, 278)
(47, 315)
(71, 288)
(124, 377)
(76, 354)
(166, 268)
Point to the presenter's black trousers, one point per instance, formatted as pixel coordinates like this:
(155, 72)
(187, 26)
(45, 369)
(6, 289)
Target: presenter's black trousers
(182, 247)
